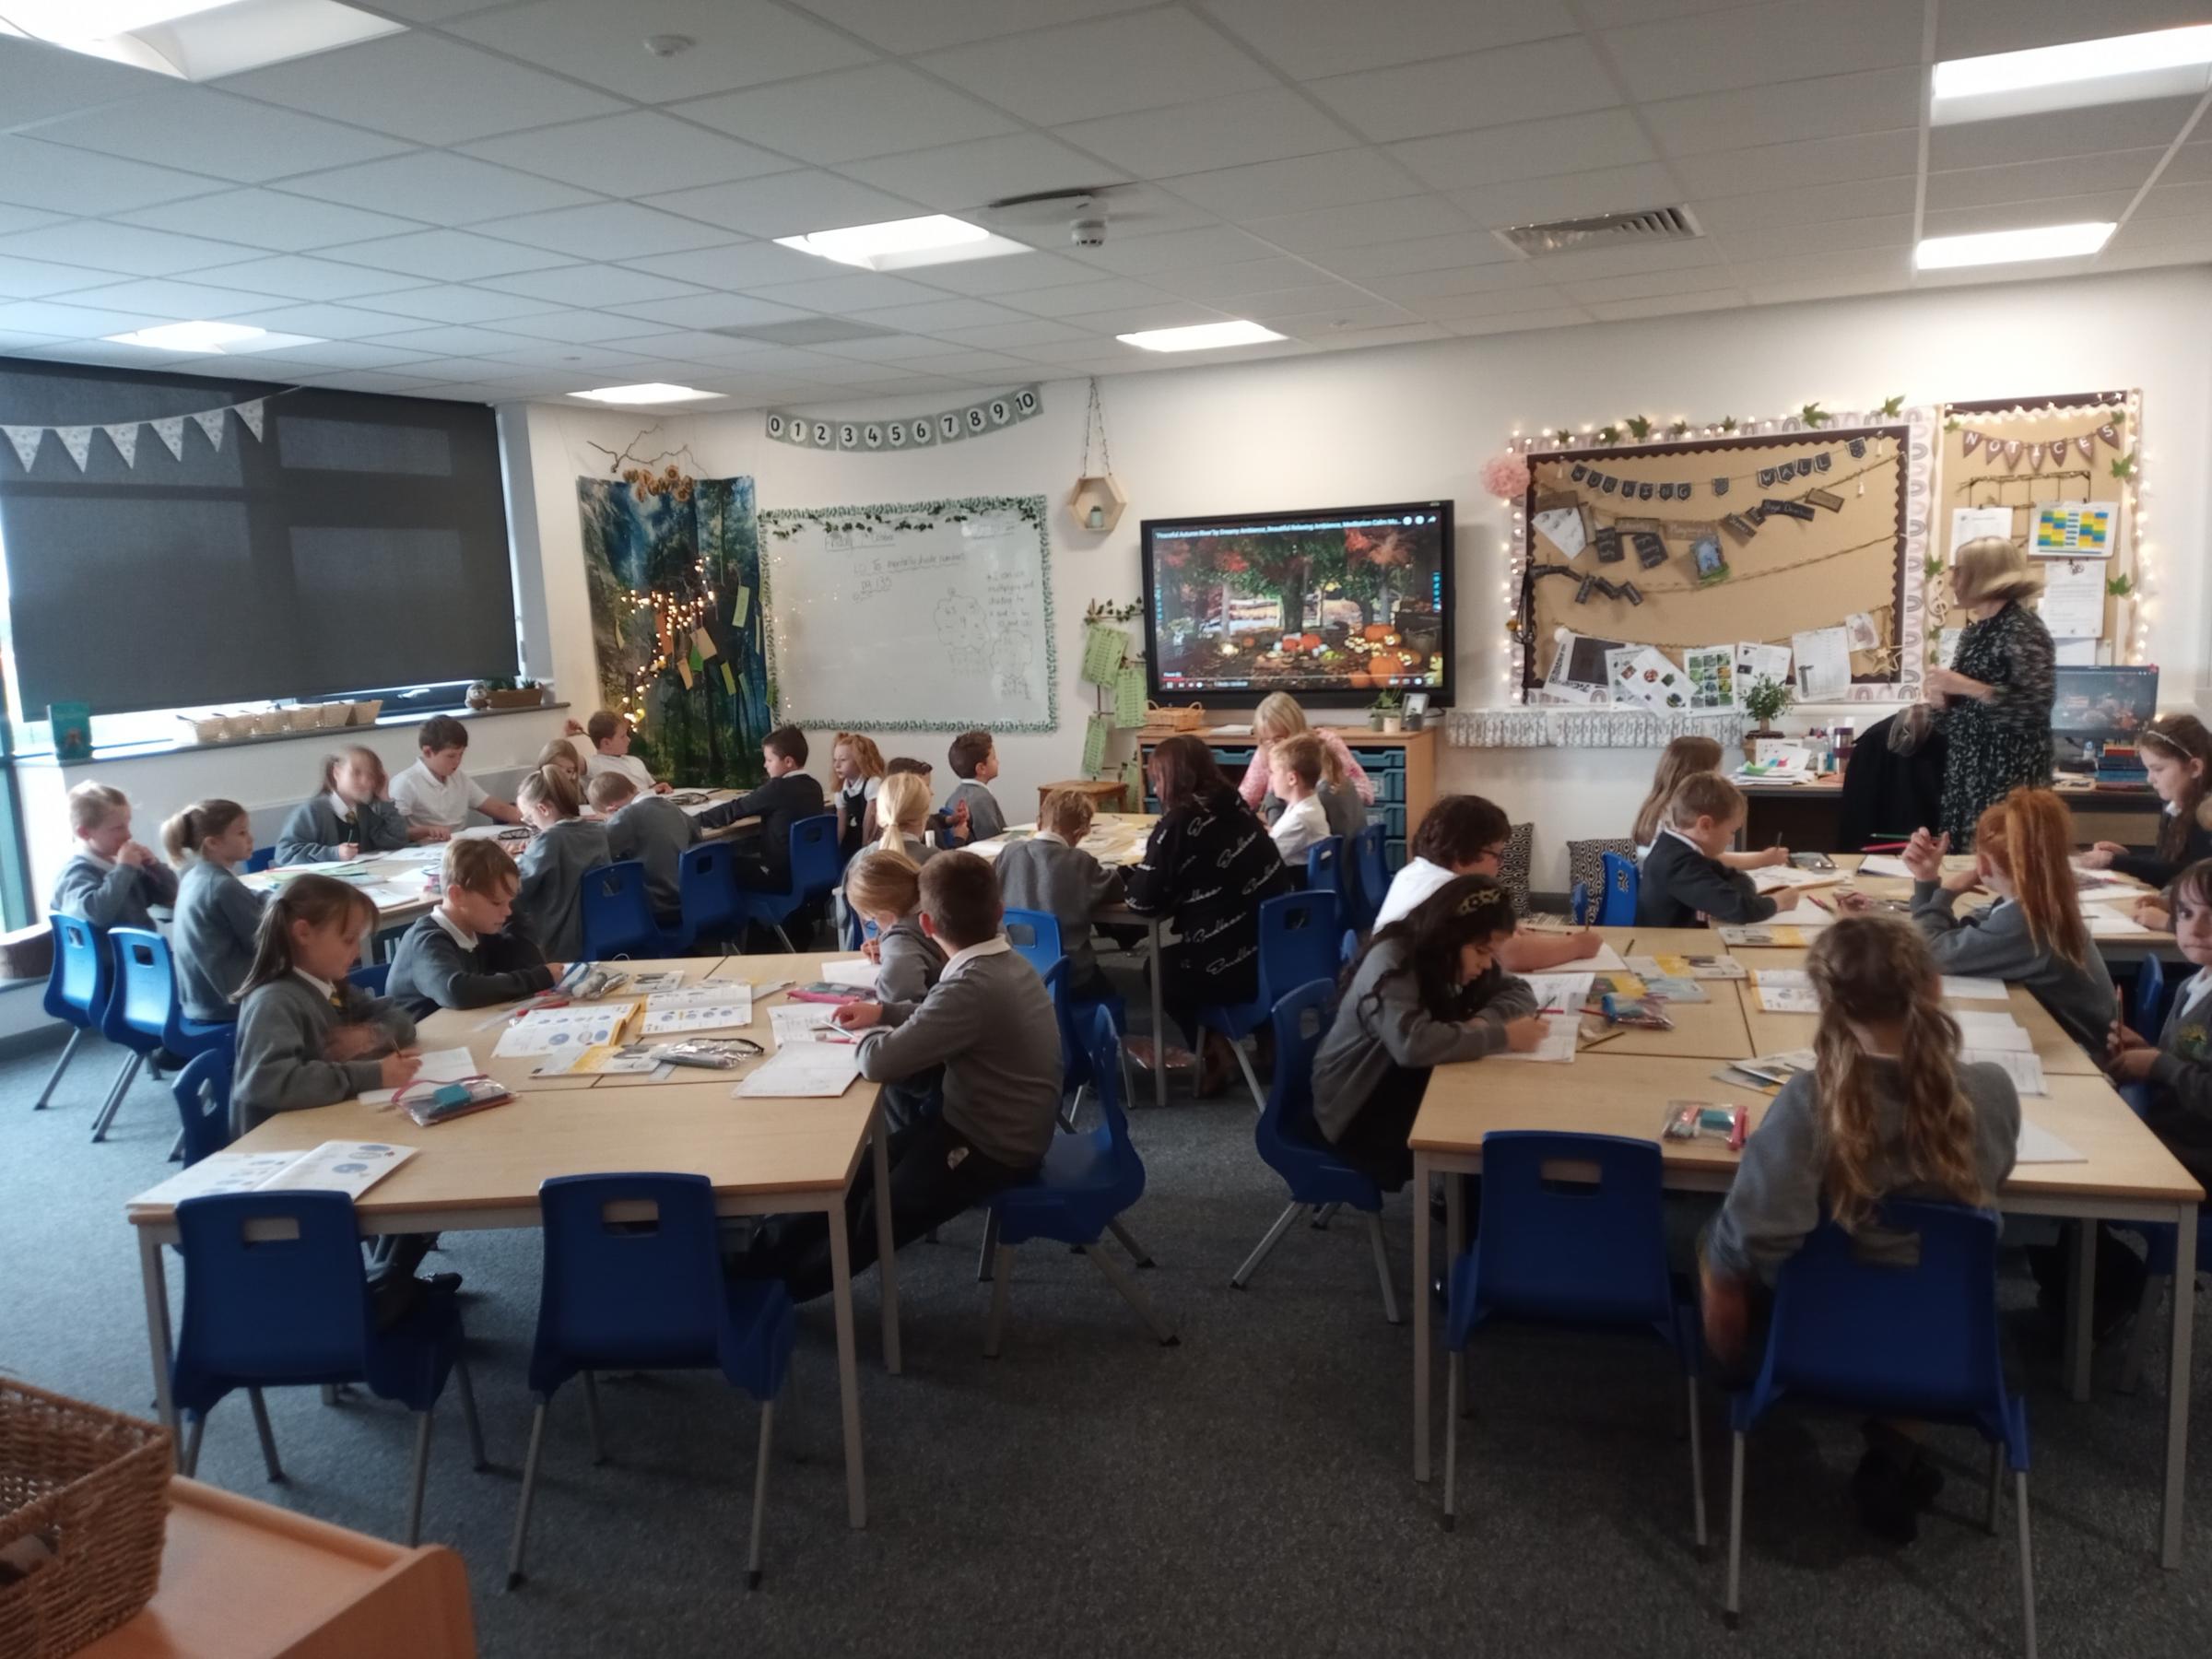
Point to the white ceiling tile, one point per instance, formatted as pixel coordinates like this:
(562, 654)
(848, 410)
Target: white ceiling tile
(2191, 164)
(1822, 236)
(1622, 262)
(1499, 302)
(264, 218)
(852, 113)
(1109, 67)
(180, 301)
(1972, 28)
(711, 310)
(1520, 322)
(902, 27)
(741, 266)
(976, 363)
(345, 354)
(1526, 149)
(446, 255)
(1077, 298)
(1482, 88)
(787, 204)
(1666, 305)
(457, 341)
(1011, 272)
(1893, 265)
(591, 285)
(232, 137)
(1418, 254)
(599, 230)
(556, 357)
(35, 278)
(423, 88)
(574, 327)
(1179, 250)
(2167, 200)
(39, 82)
(961, 176)
(929, 315)
(329, 322)
(735, 43)
(1859, 198)
(1828, 107)
(1309, 300)
(1246, 277)
(451, 302)
(1162, 312)
(1404, 334)
(70, 321)
(436, 186)
(296, 276)
(1013, 336)
(1308, 39)
(889, 349)
(1329, 227)
(1591, 291)
(1214, 132)
(13, 220)
(102, 352)
(2155, 123)
(625, 155)
(1335, 322)
(841, 289)
(14, 340)
(2105, 207)
(72, 180)
(1266, 189)
(2027, 180)
(124, 248)
(1415, 286)
(1794, 41)
(1784, 168)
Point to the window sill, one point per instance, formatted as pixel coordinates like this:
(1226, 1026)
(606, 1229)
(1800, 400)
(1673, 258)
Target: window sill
(326, 734)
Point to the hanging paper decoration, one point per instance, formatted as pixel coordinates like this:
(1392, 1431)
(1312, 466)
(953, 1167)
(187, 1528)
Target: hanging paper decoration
(2035, 456)
(170, 429)
(2013, 447)
(251, 413)
(124, 436)
(209, 421)
(910, 432)
(1968, 441)
(1505, 477)
(26, 439)
(77, 441)
(2110, 434)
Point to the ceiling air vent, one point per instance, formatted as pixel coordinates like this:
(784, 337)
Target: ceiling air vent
(1608, 230)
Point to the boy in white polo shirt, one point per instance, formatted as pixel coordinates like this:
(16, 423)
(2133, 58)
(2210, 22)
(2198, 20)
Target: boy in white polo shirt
(610, 734)
(434, 792)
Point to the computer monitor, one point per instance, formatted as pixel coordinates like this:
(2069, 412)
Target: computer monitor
(2095, 707)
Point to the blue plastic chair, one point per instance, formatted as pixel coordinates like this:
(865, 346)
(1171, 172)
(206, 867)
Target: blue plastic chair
(646, 1291)
(2148, 1002)
(815, 871)
(282, 1312)
(203, 1095)
(1298, 940)
(1366, 854)
(77, 988)
(1328, 872)
(1578, 909)
(142, 1001)
(1295, 1149)
(260, 859)
(1573, 1232)
(617, 915)
(1088, 1178)
(1910, 1342)
(706, 881)
(1617, 905)
(1035, 935)
(2160, 1255)
(374, 977)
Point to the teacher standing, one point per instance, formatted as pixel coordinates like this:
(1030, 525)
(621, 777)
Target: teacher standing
(1995, 698)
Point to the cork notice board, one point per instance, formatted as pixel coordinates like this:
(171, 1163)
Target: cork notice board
(1733, 540)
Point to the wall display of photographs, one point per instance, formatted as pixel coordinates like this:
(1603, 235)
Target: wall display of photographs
(1711, 670)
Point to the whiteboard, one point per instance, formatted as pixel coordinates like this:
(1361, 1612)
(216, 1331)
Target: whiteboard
(914, 617)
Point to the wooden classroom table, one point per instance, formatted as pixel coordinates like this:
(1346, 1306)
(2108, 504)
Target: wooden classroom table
(2125, 1175)
(2117, 899)
(242, 1580)
(1804, 815)
(482, 1171)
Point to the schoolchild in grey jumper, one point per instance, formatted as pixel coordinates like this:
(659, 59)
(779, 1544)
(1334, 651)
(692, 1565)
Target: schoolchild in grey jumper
(352, 814)
(113, 881)
(548, 909)
(972, 809)
(463, 955)
(217, 916)
(649, 828)
(1050, 872)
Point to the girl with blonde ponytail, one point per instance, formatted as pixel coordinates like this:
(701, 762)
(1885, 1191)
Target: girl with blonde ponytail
(1889, 1109)
(903, 808)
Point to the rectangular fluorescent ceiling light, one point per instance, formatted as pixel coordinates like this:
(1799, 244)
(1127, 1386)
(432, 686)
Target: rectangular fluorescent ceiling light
(1199, 337)
(903, 244)
(651, 392)
(2166, 62)
(221, 338)
(2009, 247)
(193, 39)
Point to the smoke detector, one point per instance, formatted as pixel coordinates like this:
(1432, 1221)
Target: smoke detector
(668, 45)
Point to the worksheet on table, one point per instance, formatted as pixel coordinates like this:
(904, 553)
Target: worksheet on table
(805, 1070)
(1990, 1031)
(1560, 1032)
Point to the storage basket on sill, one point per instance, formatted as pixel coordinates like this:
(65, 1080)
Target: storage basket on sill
(1161, 717)
(92, 1488)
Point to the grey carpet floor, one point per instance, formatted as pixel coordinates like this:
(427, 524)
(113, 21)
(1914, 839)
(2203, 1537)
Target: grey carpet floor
(1091, 1492)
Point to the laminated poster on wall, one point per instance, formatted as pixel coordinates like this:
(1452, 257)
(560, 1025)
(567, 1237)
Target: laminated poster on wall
(1754, 662)
(1711, 670)
(1578, 672)
(1971, 524)
(2073, 530)
(1639, 673)
(1823, 656)
(2072, 605)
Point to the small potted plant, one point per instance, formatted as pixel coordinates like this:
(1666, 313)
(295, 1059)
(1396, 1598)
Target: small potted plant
(1385, 716)
(1767, 700)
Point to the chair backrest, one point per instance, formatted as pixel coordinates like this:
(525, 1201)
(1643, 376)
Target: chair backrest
(1578, 909)
(1302, 1020)
(371, 977)
(260, 859)
(1035, 935)
(814, 868)
(632, 1276)
(1299, 937)
(1324, 869)
(1101, 1049)
(2150, 1011)
(1573, 1229)
(1586, 865)
(1373, 873)
(617, 914)
(203, 1095)
(269, 1309)
(144, 995)
(706, 877)
(1919, 1340)
(1617, 908)
(76, 985)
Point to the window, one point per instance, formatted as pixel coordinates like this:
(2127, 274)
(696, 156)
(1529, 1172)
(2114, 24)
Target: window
(360, 544)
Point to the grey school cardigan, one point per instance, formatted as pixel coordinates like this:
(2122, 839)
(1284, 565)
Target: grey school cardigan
(2181, 1084)
(1775, 1199)
(986, 818)
(1065, 882)
(911, 962)
(548, 906)
(1380, 1022)
(432, 969)
(989, 1022)
(281, 1030)
(217, 918)
(1994, 944)
(654, 830)
(315, 833)
(112, 895)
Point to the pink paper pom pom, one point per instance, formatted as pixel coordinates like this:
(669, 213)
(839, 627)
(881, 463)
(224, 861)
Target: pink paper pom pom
(1505, 477)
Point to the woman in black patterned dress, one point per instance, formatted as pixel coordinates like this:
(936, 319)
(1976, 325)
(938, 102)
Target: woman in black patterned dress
(1995, 698)
(1209, 864)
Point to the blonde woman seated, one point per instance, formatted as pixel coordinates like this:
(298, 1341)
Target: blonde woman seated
(1346, 791)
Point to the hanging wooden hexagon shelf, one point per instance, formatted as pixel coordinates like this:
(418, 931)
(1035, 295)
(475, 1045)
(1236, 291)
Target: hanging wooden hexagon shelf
(1097, 502)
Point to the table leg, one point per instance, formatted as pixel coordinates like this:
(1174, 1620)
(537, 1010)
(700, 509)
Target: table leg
(2178, 1381)
(1160, 1020)
(848, 1377)
(1421, 1315)
(157, 1321)
(2080, 1292)
(887, 1249)
(1455, 1246)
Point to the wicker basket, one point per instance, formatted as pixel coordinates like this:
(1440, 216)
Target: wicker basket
(93, 1487)
(1160, 717)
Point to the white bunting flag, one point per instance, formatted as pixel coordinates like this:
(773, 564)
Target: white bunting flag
(124, 436)
(26, 439)
(170, 429)
(251, 413)
(209, 421)
(77, 441)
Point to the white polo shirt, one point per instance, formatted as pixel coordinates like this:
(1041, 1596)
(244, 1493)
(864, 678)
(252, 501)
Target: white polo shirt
(423, 799)
(629, 766)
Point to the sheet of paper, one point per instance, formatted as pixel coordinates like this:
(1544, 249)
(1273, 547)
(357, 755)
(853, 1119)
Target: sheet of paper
(1129, 698)
(1884, 864)
(1102, 650)
(1754, 662)
(2072, 529)
(1823, 663)
(1560, 992)
(1803, 913)
(1971, 524)
(1560, 1032)
(730, 1014)
(1959, 988)
(439, 1066)
(1711, 673)
(1094, 733)
(562, 1030)
(1763, 938)
(802, 1071)
(2038, 1146)
(1564, 527)
(2107, 924)
(1792, 979)
(217, 1173)
(798, 1022)
(1979, 1030)
(1775, 877)
(348, 1166)
(1688, 967)
(2072, 605)
(2021, 1064)
(2076, 654)
(851, 971)
(1606, 961)
(658, 983)
(1639, 673)
(1860, 631)
(1788, 999)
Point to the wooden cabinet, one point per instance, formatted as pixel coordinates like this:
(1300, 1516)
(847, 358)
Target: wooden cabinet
(1401, 765)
